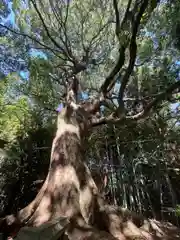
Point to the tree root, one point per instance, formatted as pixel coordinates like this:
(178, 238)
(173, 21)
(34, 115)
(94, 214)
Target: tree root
(109, 222)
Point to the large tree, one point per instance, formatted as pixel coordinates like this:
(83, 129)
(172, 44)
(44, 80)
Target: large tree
(81, 39)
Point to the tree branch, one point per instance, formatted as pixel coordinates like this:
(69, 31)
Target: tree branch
(126, 13)
(121, 58)
(78, 66)
(115, 5)
(48, 33)
(133, 52)
(33, 39)
(95, 38)
(160, 97)
(57, 14)
(116, 69)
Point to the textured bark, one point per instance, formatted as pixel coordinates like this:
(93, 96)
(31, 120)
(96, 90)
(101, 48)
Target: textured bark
(70, 191)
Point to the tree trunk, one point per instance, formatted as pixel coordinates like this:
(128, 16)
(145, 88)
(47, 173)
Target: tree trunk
(70, 191)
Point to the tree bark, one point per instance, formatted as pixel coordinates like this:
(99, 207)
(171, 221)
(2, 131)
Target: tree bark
(70, 191)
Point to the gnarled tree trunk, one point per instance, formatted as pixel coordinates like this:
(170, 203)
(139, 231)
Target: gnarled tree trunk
(70, 191)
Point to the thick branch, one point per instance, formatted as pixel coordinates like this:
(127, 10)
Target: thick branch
(160, 97)
(115, 70)
(115, 5)
(72, 91)
(126, 13)
(133, 51)
(121, 59)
